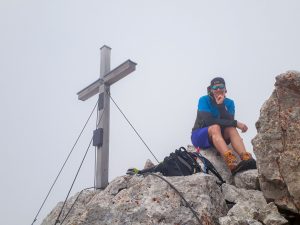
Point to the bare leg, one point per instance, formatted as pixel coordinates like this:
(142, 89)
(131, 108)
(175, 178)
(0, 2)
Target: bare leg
(214, 133)
(237, 143)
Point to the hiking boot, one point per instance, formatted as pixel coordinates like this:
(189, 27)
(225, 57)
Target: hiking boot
(246, 156)
(251, 163)
(247, 163)
(230, 160)
(244, 165)
(132, 171)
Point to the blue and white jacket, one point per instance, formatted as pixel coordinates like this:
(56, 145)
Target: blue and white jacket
(209, 113)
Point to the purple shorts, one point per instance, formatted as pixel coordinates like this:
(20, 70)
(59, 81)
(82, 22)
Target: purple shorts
(200, 138)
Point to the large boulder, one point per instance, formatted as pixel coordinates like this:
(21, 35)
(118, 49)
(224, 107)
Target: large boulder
(277, 143)
(147, 200)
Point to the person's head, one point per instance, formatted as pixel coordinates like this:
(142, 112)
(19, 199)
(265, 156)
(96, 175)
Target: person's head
(217, 86)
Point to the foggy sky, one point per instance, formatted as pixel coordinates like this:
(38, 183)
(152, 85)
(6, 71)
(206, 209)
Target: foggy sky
(50, 51)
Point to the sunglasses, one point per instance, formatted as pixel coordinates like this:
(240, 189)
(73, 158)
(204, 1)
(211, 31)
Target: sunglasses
(221, 87)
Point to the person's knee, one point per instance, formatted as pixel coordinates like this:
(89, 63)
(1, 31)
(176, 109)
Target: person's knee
(214, 129)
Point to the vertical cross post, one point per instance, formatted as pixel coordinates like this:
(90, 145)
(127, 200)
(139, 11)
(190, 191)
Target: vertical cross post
(102, 154)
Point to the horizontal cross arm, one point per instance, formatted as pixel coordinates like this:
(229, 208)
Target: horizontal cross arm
(119, 72)
(90, 90)
(111, 77)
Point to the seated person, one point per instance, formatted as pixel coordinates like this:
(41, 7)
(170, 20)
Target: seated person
(216, 127)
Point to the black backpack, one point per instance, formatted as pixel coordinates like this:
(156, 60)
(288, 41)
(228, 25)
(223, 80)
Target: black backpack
(183, 163)
(179, 163)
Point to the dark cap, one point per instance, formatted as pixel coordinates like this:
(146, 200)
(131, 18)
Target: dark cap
(217, 80)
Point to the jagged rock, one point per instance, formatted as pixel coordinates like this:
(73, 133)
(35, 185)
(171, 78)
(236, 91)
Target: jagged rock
(244, 210)
(216, 159)
(232, 220)
(149, 200)
(251, 205)
(247, 211)
(121, 183)
(81, 203)
(276, 145)
(148, 164)
(247, 180)
(240, 195)
(269, 215)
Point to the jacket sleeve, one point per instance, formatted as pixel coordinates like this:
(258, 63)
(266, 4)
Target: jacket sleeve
(226, 113)
(208, 120)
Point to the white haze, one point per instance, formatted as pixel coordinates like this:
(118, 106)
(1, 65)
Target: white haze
(50, 51)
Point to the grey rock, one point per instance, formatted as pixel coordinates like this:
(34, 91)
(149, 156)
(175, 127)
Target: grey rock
(247, 180)
(269, 215)
(149, 164)
(237, 195)
(82, 200)
(244, 210)
(251, 205)
(232, 220)
(277, 142)
(149, 200)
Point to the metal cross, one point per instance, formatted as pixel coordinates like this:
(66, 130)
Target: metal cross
(102, 86)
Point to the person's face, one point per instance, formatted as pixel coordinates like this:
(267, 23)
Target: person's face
(218, 89)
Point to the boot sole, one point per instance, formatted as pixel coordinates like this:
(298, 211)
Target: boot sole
(245, 165)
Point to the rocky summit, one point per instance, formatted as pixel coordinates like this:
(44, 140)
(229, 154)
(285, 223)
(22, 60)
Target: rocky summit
(269, 195)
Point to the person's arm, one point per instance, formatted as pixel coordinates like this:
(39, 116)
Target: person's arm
(208, 120)
(227, 112)
(224, 114)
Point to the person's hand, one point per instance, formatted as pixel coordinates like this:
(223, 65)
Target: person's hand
(242, 127)
(220, 98)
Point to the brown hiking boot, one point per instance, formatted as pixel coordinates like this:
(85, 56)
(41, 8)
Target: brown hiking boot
(230, 159)
(247, 163)
(246, 156)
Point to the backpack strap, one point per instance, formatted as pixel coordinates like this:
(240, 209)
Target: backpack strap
(175, 156)
(208, 166)
(184, 162)
(197, 167)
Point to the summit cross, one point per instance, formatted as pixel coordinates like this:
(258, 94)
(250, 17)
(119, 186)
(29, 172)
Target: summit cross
(102, 87)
